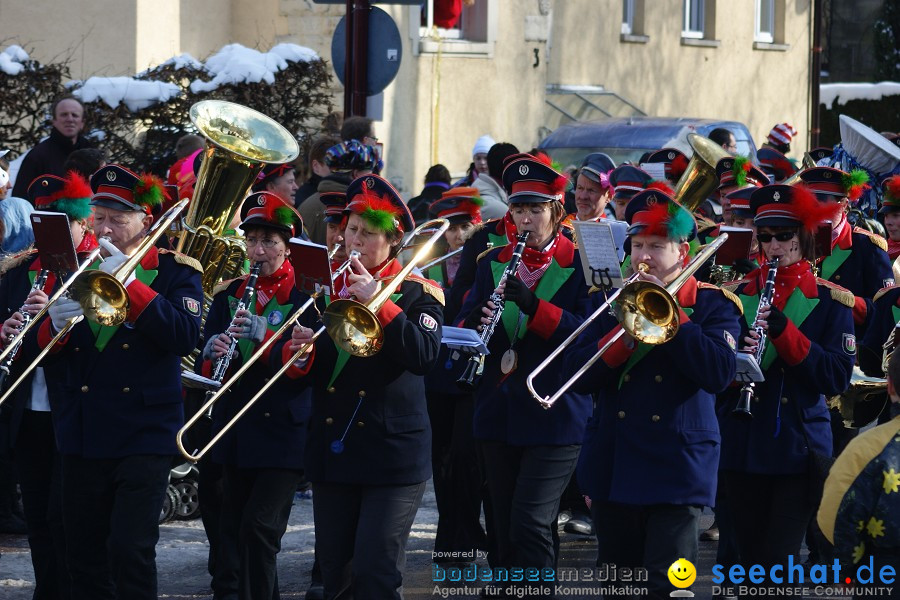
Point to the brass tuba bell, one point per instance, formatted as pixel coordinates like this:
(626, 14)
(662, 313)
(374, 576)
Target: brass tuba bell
(699, 178)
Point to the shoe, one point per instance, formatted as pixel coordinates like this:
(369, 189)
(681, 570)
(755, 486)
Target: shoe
(316, 591)
(711, 534)
(580, 524)
(563, 517)
(13, 525)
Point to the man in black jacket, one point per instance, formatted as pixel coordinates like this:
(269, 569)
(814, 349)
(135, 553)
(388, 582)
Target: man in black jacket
(48, 156)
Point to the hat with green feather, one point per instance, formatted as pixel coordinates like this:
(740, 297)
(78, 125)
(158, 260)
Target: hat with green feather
(70, 195)
(654, 212)
(738, 172)
(375, 200)
(265, 209)
(119, 188)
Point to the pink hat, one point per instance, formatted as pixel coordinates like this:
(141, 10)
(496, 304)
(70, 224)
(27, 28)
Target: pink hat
(782, 134)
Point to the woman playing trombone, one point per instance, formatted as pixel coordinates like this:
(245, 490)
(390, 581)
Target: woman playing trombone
(262, 455)
(809, 353)
(529, 453)
(31, 429)
(650, 454)
(368, 452)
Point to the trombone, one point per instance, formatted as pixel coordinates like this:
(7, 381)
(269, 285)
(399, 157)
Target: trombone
(647, 312)
(352, 325)
(213, 397)
(440, 259)
(96, 290)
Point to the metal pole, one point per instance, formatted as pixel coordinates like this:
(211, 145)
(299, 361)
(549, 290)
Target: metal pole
(815, 123)
(355, 72)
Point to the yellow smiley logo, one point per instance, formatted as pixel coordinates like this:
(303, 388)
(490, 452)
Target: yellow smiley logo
(682, 573)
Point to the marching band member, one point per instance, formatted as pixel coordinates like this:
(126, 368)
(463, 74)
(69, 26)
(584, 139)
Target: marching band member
(529, 453)
(652, 446)
(120, 400)
(458, 477)
(627, 181)
(890, 212)
(858, 260)
(735, 173)
(674, 163)
(335, 202)
(593, 190)
(368, 450)
(809, 354)
(30, 428)
(776, 165)
(262, 454)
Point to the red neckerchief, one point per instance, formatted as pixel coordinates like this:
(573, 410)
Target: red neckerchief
(788, 278)
(687, 294)
(278, 285)
(844, 237)
(560, 248)
(384, 270)
(893, 249)
(88, 243)
(507, 227)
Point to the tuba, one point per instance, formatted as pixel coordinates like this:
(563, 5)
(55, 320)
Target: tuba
(699, 178)
(240, 141)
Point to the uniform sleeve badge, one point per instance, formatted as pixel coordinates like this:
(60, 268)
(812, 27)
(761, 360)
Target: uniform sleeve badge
(849, 344)
(730, 339)
(192, 305)
(275, 317)
(888, 283)
(427, 322)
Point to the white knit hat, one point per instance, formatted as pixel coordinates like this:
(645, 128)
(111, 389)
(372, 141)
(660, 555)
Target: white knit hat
(483, 144)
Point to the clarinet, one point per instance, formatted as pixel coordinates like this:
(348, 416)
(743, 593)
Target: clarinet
(6, 365)
(742, 410)
(475, 366)
(223, 361)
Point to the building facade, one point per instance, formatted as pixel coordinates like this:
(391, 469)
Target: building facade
(493, 72)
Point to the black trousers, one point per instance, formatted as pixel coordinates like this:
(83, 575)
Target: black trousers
(40, 478)
(255, 509)
(223, 562)
(111, 516)
(771, 515)
(458, 477)
(652, 536)
(365, 527)
(525, 484)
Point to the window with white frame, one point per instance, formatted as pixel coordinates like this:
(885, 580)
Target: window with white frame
(765, 21)
(628, 17)
(694, 19)
(454, 26)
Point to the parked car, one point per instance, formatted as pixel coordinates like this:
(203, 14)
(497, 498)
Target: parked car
(626, 139)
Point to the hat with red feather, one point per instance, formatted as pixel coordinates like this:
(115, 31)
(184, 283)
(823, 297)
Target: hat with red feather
(70, 195)
(119, 188)
(674, 162)
(375, 200)
(788, 206)
(655, 212)
(828, 183)
(270, 173)
(265, 209)
(775, 164)
(890, 202)
(738, 171)
(531, 179)
(458, 205)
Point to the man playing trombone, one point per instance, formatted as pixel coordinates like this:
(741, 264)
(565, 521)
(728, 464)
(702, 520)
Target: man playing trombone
(652, 447)
(27, 284)
(262, 454)
(120, 393)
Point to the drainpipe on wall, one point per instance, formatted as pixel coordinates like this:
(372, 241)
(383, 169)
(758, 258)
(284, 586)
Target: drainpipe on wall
(815, 71)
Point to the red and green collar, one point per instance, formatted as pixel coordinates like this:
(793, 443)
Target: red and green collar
(561, 248)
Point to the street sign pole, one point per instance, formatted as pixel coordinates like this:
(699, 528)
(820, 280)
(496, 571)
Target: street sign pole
(355, 73)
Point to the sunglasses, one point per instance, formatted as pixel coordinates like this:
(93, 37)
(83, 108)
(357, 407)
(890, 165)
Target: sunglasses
(781, 236)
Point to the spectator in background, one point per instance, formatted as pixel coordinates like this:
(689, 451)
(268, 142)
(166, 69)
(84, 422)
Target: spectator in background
(318, 168)
(490, 184)
(359, 128)
(48, 156)
(780, 137)
(437, 181)
(479, 161)
(724, 138)
(14, 212)
(85, 162)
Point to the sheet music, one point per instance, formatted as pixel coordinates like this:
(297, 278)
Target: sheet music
(599, 252)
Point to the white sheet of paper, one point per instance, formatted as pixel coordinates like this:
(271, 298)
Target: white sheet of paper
(599, 251)
(465, 340)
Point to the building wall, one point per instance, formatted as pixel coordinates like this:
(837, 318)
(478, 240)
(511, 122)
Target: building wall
(441, 102)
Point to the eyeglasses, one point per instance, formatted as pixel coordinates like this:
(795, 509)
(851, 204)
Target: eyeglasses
(781, 236)
(534, 211)
(266, 243)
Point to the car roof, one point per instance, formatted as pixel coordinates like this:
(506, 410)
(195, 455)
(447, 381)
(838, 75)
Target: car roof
(632, 136)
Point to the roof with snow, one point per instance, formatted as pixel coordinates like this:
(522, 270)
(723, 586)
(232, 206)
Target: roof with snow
(845, 92)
